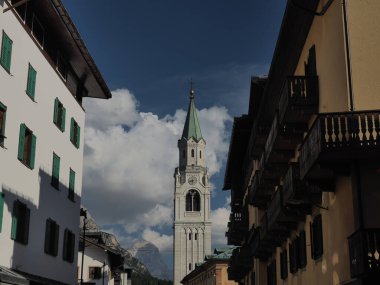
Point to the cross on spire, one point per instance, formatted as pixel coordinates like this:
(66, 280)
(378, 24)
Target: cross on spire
(192, 93)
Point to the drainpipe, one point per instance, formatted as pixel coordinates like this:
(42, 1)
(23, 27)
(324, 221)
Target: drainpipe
(348, 55)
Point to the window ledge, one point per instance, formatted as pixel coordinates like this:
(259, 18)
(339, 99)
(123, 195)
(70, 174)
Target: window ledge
(192, 214)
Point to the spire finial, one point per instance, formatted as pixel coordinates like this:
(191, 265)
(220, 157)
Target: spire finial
(192, 93)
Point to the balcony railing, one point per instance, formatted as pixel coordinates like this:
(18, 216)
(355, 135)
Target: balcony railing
(260, 191)
(340, 137)
(364, 249)
(299, 99)
(237, 228)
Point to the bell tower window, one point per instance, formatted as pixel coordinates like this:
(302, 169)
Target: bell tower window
(193, 201)
(192, 153)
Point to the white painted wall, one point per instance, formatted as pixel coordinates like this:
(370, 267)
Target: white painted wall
(94, 257)
(33, 186)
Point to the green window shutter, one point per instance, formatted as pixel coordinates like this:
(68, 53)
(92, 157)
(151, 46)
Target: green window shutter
(33, 152)
(72, 130)
(71, 185)
(1, 209)
(25, 237)
(31, 83)
(2, 127)
(21, 142)
(15, 216)
(63, 119)
(47, 236)
(6, 52)
(77, 142)
(55, 171)
(55, 117)
(65, 240)
(56, 239)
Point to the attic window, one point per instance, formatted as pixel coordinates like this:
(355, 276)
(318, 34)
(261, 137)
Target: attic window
(61, 66)
(38, 31)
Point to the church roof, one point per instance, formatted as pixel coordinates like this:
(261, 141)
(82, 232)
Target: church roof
(192, 128)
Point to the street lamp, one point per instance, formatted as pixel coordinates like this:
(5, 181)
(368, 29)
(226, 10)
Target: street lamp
(83, 213)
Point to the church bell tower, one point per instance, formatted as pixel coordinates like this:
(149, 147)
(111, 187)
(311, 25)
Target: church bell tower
(192, 225)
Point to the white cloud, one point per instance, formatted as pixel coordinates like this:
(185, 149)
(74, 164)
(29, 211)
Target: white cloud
(163, 242)
(130, 158)
(220, 218)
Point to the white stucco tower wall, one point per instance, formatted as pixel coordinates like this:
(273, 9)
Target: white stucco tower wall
(192, 225)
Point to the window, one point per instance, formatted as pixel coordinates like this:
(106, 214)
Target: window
(6, 52)
(59, 117)
(284, 264)
(293, 257)
(316, 237)
(68, 246)
(61, 66)
(20, 222)
(189, 266)
(27, 146)
(31, 82)
(51, 237)
(55, 171)
(192, 153)
(94, 272)
(200, 154)
(190, 236)
(271, 273)
(38, 31)
(3, 113)
(196, 236)
(1, 209)
(75, 133)
(21, 10)
(302, 260)
(193, 201)
(71, 185)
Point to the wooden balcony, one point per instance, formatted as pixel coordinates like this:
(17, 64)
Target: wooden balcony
(296, 193)
(259, 248)
(337, 138)
(260, 193)
(258, 139)
(299, 99)
(364, 250)
(240, 263)
(237, 228)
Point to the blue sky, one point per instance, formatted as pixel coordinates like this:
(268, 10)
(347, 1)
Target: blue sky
(147, 51)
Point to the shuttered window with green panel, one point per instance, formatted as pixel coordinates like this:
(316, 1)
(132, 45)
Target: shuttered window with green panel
(59, 117)
(20, 222)
(68, 246)
(6, 52)
(51, 237)
(75, 133)
(1, 210)
(27, 146)
(31, 82)
(71, 185)
(55, 171)
(3, 114)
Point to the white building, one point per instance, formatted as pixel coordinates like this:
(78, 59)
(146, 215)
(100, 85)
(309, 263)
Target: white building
(192, 225)
(45, 71)
(103, 261)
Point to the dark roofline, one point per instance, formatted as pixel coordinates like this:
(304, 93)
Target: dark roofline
(62, 12)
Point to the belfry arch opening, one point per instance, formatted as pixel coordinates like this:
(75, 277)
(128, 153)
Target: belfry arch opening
(193, 201)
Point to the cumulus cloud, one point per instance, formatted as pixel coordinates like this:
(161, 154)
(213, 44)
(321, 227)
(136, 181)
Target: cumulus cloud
(220, 218)
(129, 162)
(163, 242)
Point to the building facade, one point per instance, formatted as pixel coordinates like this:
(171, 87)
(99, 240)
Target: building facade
(303, 165)
(45, 71)
(192, 225)
(103, 260)
(212, 271)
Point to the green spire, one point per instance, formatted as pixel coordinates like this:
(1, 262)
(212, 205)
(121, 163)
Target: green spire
(192, 129)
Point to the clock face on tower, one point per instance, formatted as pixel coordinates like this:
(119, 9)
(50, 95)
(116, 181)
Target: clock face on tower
(192, 180)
